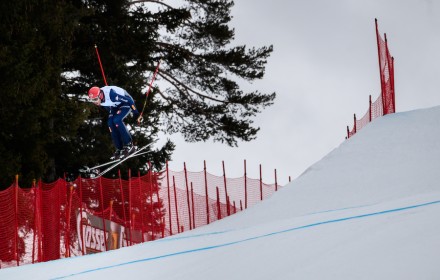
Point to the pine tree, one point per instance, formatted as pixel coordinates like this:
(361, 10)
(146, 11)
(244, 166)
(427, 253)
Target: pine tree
(48, 62)
(199, 96)
(36, 117)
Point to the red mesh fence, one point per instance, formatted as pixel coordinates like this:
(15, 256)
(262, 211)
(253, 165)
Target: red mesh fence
(386, 64)
(385, 103)
(62, 219)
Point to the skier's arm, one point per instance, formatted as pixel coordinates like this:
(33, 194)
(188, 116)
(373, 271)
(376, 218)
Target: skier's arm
(125, 100)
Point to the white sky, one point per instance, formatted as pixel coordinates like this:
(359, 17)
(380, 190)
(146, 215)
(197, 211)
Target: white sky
(369, 210)
(323, 68)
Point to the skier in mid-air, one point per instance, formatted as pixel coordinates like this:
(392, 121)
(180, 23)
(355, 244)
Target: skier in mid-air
(119, 104)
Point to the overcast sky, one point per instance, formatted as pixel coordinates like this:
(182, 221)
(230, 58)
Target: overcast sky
(323, 68)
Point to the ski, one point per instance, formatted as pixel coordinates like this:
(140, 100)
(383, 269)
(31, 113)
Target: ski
(135, 154)
(113, 163)
(87, 169)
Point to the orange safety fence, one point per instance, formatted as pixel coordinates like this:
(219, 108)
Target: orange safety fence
(385, 103)
(63, 219)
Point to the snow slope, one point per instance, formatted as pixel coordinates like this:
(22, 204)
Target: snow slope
(369, 210)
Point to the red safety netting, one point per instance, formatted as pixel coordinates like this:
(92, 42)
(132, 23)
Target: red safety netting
(385, 103)
(62, 219)
(387, 77)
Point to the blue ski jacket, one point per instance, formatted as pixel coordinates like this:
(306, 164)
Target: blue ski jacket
(116, 98)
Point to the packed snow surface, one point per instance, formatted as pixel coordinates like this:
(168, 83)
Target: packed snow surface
(370, 209)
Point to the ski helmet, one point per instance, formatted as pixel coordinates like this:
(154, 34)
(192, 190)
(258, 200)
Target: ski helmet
(94, 93)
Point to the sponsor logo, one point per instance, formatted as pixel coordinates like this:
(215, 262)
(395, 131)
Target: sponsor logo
(94, 239)
(96, 234)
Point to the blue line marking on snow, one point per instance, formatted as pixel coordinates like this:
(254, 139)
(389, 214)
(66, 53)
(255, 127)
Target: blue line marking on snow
(173, 238)
(207, 248)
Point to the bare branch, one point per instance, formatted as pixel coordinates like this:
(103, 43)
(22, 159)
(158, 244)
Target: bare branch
(182, 117)
(151, 1)
(184, 51)
(168, 76)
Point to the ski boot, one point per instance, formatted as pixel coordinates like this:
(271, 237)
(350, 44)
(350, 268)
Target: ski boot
(127, 150)
(117, 154)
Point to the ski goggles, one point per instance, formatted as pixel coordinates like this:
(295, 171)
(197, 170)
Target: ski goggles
(94, 100)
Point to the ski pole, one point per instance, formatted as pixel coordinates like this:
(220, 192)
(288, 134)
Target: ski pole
(148, 91)
(100, 64)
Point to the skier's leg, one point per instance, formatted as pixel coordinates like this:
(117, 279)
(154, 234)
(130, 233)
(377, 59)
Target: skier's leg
(114, 131)
(118, 120)
(123, 131)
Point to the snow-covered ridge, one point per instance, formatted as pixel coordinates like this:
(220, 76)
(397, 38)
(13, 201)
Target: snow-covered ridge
(370, 209)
